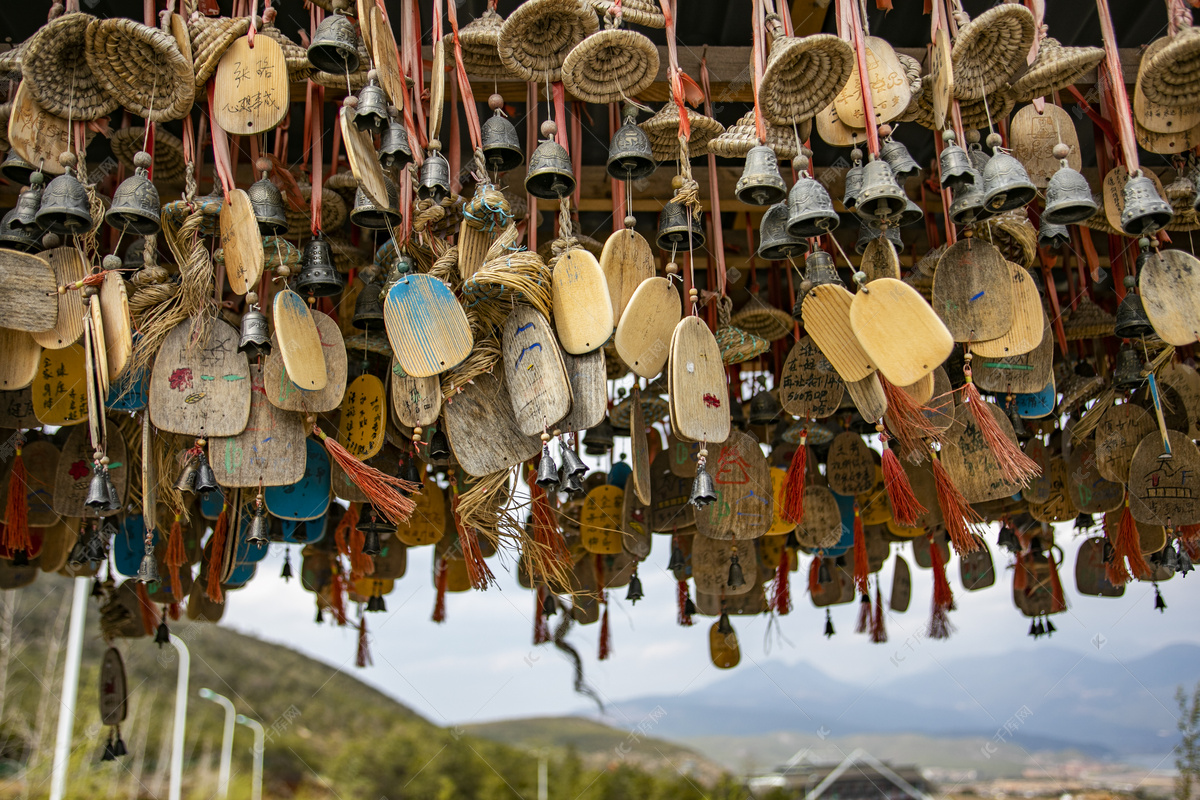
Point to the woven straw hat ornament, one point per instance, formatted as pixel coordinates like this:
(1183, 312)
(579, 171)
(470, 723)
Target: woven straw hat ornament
(803, 74)
(611, 65)
(141, 68)
(211, 37)
(663, 131)
(55, 67)
(990, 49)
(480, 39)
(1171, 75)
(646, 13)
(738, 138)
(1055, 68)
(536, 38)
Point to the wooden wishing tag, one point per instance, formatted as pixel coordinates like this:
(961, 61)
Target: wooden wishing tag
(1058, 506)
(1026, 331)
(600, 521)
(849, 468)
(1033, 134)
(299, 342)
(723, 648)
(779, 525)
(73, 474)
(14, 576)
(711, 560)
(890, 93)
(669, 507)
(921, 392)
(41, 474)
(35, 134)
(585, 608)
(644, 334)
(583, 311)
(868, 397)
(282, 391)
(969, 461)
(200, 388)
(1186, 383)
(826, 313)
(972, 291)
(589, 391)
(1118, 434)
(921, 548)
(901, 586)
(1033, 405)
(416, 402)
(683, 456)
(59, 389)
(1088, 490)
(830, 593)
(975, 569)
(699, 397)
(822, 523)
(942, 70)
(95, 355)
(363, 419)
(427, 328)
(113, 697)
(384, 54)
(68, 268)
(200, 608)
(308, 498)
(22, 357)
(251, 87)
(1160, 118)
(29, 292)
(482, 431)
(473, 244)
(639, 446)
(627, 262)
(1169, 283)
(241, 242)
(534, 372)
(1090, 574)
(809, 387)
(879, 260)
(1022, 374)
(1164, 491)
(112, 305)
(744, 507)
(873, 504)
(1038, 489)
(898, 330)
(390, 565)
(57, 542)
(833, 131)
(635, 539)
(1113, 191)
(364, 160)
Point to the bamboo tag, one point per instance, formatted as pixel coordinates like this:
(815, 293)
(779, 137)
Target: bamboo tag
(74, 473)
(669, 507)
(744, 507)
(972, 291)
(96, 355)
(833, 131)
(113, 305)
(589, 391)
(1090, 578)
(59, 389)
(283, 393)
(22, 356)
(361, 424)
(1022, 374)
(1169, 283)
(1164, 491)
(416, 402)
(868, 397)
(299, 342)
(35, 134)
(364, 161)
(849, 467)
(924, 486)
(201, 388)
(711, 559)
(822, 523)
(639, 447)
(427, 524)
(583, 311)
(975, 569)
(649, 320)
(779, 525)
(427, 328)
(600, 521)
(942, 70)
(29, 292)
(809, 387)
(626, 261)
(898, 330)
(241, 241)
(534, 372)
(890, 93)
(901, 586)
(68, 268)
(1088, 489)
(112, 688)
(473, 244)
(699, 397)
(482, 431)
(1026, 331)
(969, 461)
(41, 474)
(1033, 136)
(385, 56)
(826, 313)
(251, 87)
(1058, 507)
(879, 260)
(308, 498)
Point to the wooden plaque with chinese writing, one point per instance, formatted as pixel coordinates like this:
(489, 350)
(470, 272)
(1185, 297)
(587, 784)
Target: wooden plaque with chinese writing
(809, 387)
(880, 260)
(426, 326)
(1032, 136)
(711, 559)
(363, 418)
(1090, 492)
(636, 533)
(627, 261)
(200, 388)
(364, 160)
(416, 402)
(971, 464)
(482, 431)
(639, 447)
(600, 521)
(68, 268)
(35, 134)
(975, 569)
(241, 242)
(699, 397)
(822, 523)
(29, 292)
(1026, 331)
(1118, 433)
(744, 507)
(1169, 283)
(890, 92)
(669, 507)
(74, 473)
(1020, 374)
(283, 393)
(589, 391)
(534, 372)
(972, 291)
(826, 313)
(251, 87)
(901, 586)
(269, 452)
(1058, 506)
(849, 469)
(583, 312)
(1164, 491)
(59, 389)
(651, 316)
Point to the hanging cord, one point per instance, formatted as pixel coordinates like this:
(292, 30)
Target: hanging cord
(1114, 81)
(759, 46)
(714, 190)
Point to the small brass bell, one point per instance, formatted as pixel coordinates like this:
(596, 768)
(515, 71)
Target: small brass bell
(439, 447)
(1006, 184)
(259, 531)
(318, 276)
(911, 215)
(375, 602)
(434, 178)
(968, 207)
(854, 177)
(1018, 423)
(16, 237)
(899, 159)
(1128, 372)
(571, 461)
(206, 480)
(569, 482)
(394, 149)
(187, 479)
(267, 202)
(819, 268)
(630, 156)
(704, 491)
(114, 499)
(1052, 236)
(774, 241)
(764, 408)
(955, 165)
(599, 439)
(870, 230)
(29, 203)
(550, 175)
(501, 144)
(1068, 198)
(1131, 321)
(368, 308)
(65, 209)
(366, 214)
(256, 335)
(148, 570)
(547, 470)
(677, 230)
(334, 46)
(16, 169)
(135, 206)
(1145, 211)
(761, 184)
(810, 209)
(880, 197)
(1007, 539)
(371, 521)
(371, 110)
(97, 496)
(736, 578)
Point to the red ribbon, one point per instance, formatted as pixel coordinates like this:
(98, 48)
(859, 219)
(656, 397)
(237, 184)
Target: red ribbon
(464, 83)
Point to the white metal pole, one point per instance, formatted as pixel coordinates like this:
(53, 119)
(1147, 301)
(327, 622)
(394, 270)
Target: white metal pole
(542, 777)
(181, 701)
(259, 744)
(226, 740)
(70, 689)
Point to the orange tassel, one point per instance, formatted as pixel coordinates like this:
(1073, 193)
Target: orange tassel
(541, 629)
(173, 611)
(441, 575)
(1058, 603)
(176, 557)
(337, 594)
(477, 569)
(814, 575)
(878, 628)
(341, 534)
(793, 483)
(864, 614)
(384, 491)
(883, 5)
(907, 420)
(906, 509)
(862, 566)
(1015, 466)
(16, 511)
(1188, 533)
(216, 556)
(781, 600)
(361, 564)
(957, 514)
(943, 597)
(549, 552)
(363, 657)
(150, 615)
(1127, 547)
(683, 600)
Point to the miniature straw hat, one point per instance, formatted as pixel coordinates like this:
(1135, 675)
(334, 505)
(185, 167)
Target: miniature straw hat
(1055, 68)
(211, 37)
(990, 49)
(738, 138)
(736, 345)
(1087, 321)
(759, 319)
(536, 38)
(479, 39)
(1014, 235)
(10, 63)
(646, 13)
(298, 66)
(610, 65)
(803, 75)
(55, 67)
(663, 131)
(169, 165)
(1172, 75)
(333, 212)
(141, 67)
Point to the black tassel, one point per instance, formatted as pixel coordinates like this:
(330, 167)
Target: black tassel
(689, 607)
(635, 589)
(320, 616)
(119, 747)
(1159, 604)
(1050, 629)
(676, 564)
(287, 566)
(828, 624)
(1033, 629)
(20, 558)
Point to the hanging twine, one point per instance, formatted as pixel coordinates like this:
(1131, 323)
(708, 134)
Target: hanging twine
(566, 237)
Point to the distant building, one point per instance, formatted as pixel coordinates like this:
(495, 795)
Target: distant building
(860, 776)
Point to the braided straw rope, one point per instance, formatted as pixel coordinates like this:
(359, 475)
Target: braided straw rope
(508, 277)
(610, 66)
(484, 356)
(54, 66)
(141, 68)
(169, 165)
(646, 13)
(536, 38)
(802, 76)
(990, 49)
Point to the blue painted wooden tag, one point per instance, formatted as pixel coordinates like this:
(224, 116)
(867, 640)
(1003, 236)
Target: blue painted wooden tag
(131, 390)
(129, 545)
(846, 506)
(426, 326)
(308, 498)
(1034, 405)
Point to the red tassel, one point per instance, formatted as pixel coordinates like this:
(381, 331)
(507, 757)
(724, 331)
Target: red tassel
(361, 564)
(864, 614)
(1058, 603)
(1015, 466)
(957, 514)
(1192, 547)
(149, 612)
(1188, 533)
(814, 575)
(384, 491)
(862, 566)
(541, 629)
(883, 5)
(549, 553)
(176, 557)
(906, 419)
(793, 483)
(216, 556)
(173, 611)
(1020, 574)
(928, 6)
(1126, 547)
(16, 511)
(341, 534)
(363, 658)
(906, 508)
(683, 600)
(943, 597)
(781, 600)
(478, 571)
(878, 628)
(337, 594)
(441, 575)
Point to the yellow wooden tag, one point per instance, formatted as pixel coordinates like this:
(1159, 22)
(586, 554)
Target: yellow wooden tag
(362, 422)
(699, 397)
(241, 241)
(22, 357)
(299, 342)
(644, 333)
(600, 523)
(1026, 331)
(283, 393)
(1022, 374)
(779, 525)
(723, 648)
(68, 269)
(833, 131)
(826, 313)
(583, 312)
(427, 524)
(849, 467)
(921, 392)
(898, 330)
(60, 387)
(251, 87)
(113, 303)
(626, 261)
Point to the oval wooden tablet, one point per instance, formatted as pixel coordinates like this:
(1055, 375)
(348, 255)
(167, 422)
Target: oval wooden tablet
(299, 342)
(1058, 506)
(589, 391)
(1169, 283)
(822, 523)
(1088, 489)
(1113, 191)
(627, 261)
(969, 461)
(890, 92)
(849, 467)
(600, 521)
(113, 304)
(308, 498)
(972, 291)
(28, 292)
(583, 312)
(1033, 405)
(741, 476)
(901, 586)
(670, 510)
(1153, 116)
(269, 452)
(809, 387)
(1120, 429)
(1026, 331)
(74, 473)
(1164, 491)
(534, 372)
(1032, 136)
(363, 418)
(22, 357)
(483, 433)
(921, 392)
(364, 160)
(283, 393)
(711, 560)
(637, 537)
(68, 326)
(427, 524)
(241, 241)
(644, 334)
(826, 313)
(868, 397)
(416, 402)
(879, 260)
(1186, 382)
(898, 330)
(427, 328)
(200, 388)
(1021, 374)
(251, 87)
(639, 447)
(833, 131)
(59, 389)
(779, 525)
(35, 134)
(699, 396)
(385, 56)
(723, 649)
(1090, 573)
(113, 696)
(975, 569)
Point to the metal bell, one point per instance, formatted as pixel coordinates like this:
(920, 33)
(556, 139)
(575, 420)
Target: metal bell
(870, 229)
(630, 156)
(1145, 211)
(17, 237)
(1018, 423)
(434, 183)
(955, 166)
(65, 208)
(135, 206)
(501, 144)
(259, 531)
(187, 479)
(550, 175)
(571, 461)
(1068, 198)
(29, 203)
(1052, 236)
(394, 149)
(206, 480)
(16, 169)
(1132, 322)
(899, 159)
(114, 499)
(269, 210)
(1128, 372)
(410, 470)
(854, 177)
(570, 483)
(761, 184)
(968, 207)
(911, 215)
(148, 570)
(819, 268)
(599, 439)
(774, 241)
(547, 470)
(368, 308)
(881, 197)
(334, 46)
(318, 277)
(810, 209)
(371, 521)
(736, 578)
(764, 408)
(439, 447)
(97, 496)
(256, 335)
(677, 230)
(704, 491)
(1006, 183)
(372, 546)
(366, 214)
(979, 159)
(371, 111)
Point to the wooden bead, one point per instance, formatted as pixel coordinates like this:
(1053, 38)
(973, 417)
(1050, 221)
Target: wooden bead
(496, 102)
(549, 128)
